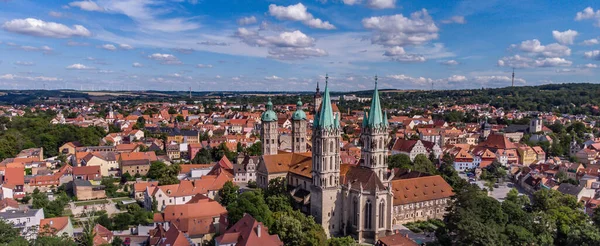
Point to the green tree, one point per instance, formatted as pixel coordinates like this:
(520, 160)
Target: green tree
(172, 110)
(341, 241)
(399, 161)
(8, 232)
(255, 149)
(277, 186)
(228, 194)
(423, 164)
(253, 203)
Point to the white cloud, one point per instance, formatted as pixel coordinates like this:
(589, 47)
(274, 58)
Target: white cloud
(35, 27)
(273, 78)
(78, 66)
(455, 19)
(86, 5)
(125, 46)
(497, 81)
(22, 63)
(590, 65)
(351, 2)
(381, 4)
(246, 20)
(594, 54)
(298, 13)
(394, 51)
(450, 63)
(75, 43)
(37, 78)
(108, 47)
(183, 50)
(204, 66)
(398, 30)
(535, 47)
(592, 41)
(213, 43)
(518, 61)
(165, 58)
(285, 46)
(55, 14)
(565, 70)
(137, 64)
(45, 49)
(566, 37)
(587, 14)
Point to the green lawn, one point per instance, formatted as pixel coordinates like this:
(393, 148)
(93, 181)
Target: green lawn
(93, 202)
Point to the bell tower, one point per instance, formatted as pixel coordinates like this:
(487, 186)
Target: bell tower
(374, 137)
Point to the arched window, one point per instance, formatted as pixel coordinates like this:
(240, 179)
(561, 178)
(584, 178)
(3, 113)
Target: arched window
(381, 142)
(331, 163)
(368, 214)
(380, 162)
(381, 213)
(324, 147)
(330, 181)
(355, 212)
(331, 148)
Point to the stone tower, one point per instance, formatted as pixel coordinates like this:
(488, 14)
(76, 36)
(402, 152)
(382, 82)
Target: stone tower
(486, 129)
(374, 137)
(535, 125)
(317, 100)
(299, 129)
(325, 197)
(268, 131)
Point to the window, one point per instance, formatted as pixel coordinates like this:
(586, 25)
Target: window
(368, 214)
(331, 146)
(355, 212)
(381, 213)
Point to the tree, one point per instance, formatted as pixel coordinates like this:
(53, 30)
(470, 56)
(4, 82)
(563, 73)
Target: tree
(255, 149)
(172, 110)
(8, 232)
(279, 203)
(253, 203)
(180, 118)
(399, 161)
(341, 241)
(121, 221)
(423, 164)
(228, 194)
(165, 175)
(295, 228)
(277, 186)
(203, 156)
(117, 241)
(140, 123)
(157, 168)
(239, 147)
(560, 176)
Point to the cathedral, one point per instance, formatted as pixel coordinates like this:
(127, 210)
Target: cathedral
(357, 200)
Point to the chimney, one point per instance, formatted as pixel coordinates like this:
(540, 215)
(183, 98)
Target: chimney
(258, 230)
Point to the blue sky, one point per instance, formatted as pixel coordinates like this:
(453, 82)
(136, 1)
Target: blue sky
(276, 45)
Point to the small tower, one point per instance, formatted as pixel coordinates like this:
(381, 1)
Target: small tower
(268, 131)
(486, 129)
(574, 147)
(325, 196)
(317, 99)
(374, 137)
(535, 125)
(299, 129)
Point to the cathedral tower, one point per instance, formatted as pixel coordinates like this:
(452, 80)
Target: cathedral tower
(374, 138)
(326, 192)
(268, 131)
(317, 100)
(299, 129)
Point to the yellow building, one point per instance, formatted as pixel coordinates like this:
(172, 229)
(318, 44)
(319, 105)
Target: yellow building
(527, 155)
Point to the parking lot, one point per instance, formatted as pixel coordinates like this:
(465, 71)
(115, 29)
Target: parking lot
(500, 192)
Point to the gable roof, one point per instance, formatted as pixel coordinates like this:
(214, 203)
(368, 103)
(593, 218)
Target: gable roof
(420, 189)
(53, 225)
(247, 231)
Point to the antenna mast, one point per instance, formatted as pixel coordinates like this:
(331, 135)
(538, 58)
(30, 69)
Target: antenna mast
(513, 77)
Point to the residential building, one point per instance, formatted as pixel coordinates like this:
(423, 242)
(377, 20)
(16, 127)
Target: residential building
(136, 162)
(58, 226)
(247, 232)
(24, 220)
(412, 148)
(85, 190)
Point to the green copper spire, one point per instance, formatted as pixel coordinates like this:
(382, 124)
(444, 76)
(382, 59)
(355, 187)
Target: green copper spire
(365, 122)
(299, 113)
(326, 119)
(385, 119)
(269, 114)
(375, 115)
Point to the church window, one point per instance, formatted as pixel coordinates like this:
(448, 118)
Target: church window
(330, 181)
(355, 212)
(381, 213)
(368, 214)
(381, 143)
(331, 163)
(331, 146)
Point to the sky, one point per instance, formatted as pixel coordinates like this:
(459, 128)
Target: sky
(279, 45)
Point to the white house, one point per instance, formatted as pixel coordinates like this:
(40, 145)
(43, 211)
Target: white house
(24, 219)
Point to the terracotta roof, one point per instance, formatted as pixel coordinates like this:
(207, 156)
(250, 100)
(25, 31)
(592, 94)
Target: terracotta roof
(286, 162)
(420, 189)
(498, 141)
(141, 187)
(174, 237)
(86, 170)
(245, 233)
(14, 176)
(201, 209)
(8, 202)
(53, 225)
(397, 240)
(151, 156)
